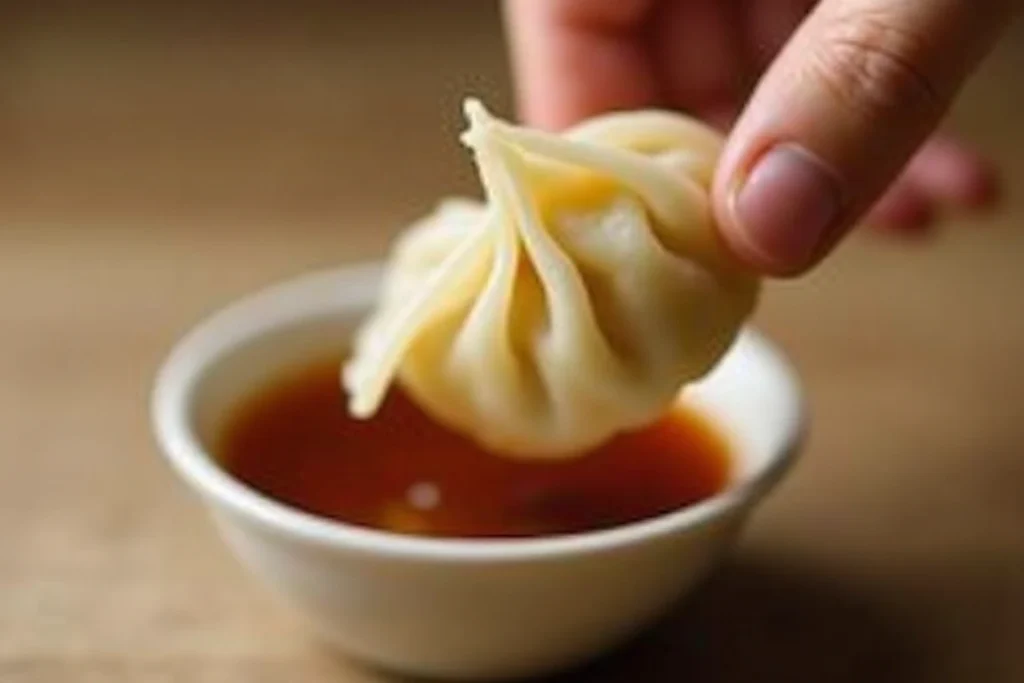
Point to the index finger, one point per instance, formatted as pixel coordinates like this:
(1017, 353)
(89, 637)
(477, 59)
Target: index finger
(576, 58)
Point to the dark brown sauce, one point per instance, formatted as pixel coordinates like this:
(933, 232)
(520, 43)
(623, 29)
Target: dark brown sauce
(401, 472)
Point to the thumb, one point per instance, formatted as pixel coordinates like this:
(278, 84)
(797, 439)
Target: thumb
(857, 90)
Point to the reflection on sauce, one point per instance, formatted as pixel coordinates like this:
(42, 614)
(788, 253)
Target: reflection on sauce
(401, 472)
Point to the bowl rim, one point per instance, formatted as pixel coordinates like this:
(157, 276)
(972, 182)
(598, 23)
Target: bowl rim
(350, 288)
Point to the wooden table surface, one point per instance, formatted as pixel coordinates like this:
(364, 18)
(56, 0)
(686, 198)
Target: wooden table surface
(158, 163)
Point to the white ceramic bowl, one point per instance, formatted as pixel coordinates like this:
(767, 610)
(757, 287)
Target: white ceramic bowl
(456, 608)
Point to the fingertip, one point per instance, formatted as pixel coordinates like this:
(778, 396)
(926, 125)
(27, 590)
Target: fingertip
(950, 172)
(980, 187)
(902, 210)
(783, 213)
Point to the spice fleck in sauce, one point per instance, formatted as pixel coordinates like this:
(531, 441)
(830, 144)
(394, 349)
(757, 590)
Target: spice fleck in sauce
(401, 472)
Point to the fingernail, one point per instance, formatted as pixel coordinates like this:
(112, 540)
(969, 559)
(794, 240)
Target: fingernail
(786, 207)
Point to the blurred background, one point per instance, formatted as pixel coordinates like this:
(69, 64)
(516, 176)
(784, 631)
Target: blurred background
(162, 158)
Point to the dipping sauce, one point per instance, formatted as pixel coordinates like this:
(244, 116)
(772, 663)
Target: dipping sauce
(401, 472)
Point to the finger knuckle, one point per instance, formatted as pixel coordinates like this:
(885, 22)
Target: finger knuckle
(873, 67)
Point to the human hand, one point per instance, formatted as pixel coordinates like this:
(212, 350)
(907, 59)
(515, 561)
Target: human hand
(837, 127)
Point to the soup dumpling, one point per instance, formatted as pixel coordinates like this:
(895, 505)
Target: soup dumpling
(574, 302)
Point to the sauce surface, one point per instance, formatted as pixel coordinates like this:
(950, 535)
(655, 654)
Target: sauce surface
(400, 472)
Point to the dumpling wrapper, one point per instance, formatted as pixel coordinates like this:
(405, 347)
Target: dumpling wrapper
(575, 303)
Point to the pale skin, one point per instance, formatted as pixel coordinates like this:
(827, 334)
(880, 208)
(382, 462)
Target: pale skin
(830, 108)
